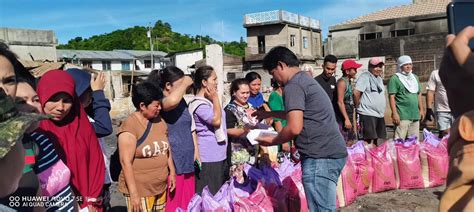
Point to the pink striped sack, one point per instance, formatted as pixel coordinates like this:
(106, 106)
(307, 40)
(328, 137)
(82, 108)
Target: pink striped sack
(346, 190)
(434, 161)
(257, 201)
(408, 166)
(382, 163)
(363, 162)
(279, 197)
(444, 141)
(296, 195)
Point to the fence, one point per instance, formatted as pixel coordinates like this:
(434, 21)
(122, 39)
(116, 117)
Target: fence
(422, 66)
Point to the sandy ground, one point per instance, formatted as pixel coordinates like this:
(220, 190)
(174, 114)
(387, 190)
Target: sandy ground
(396, 200)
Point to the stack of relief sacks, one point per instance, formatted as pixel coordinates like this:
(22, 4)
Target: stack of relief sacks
(263, 188)
(398, 164)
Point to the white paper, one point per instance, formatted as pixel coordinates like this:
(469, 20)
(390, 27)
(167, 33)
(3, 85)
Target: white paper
(253, 134)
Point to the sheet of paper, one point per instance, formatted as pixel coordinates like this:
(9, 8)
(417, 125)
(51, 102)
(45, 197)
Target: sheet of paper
(253, 134)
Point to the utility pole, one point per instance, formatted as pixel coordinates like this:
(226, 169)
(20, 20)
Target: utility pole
(223, 42)
(151, 46)
(200, 35)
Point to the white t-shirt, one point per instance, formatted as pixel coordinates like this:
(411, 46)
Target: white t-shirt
(441, 99)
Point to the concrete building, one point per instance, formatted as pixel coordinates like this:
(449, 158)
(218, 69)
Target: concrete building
(98, 60)
(266, 30)
(269, 29)
(29, 44)
(143, 59)
(418, 29)
(233, 67)
(185, 60)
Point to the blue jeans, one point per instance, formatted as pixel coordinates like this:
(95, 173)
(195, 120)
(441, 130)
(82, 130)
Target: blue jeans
(320, 180)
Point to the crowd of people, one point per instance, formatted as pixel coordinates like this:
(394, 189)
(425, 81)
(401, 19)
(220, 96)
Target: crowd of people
(360, 103)
(52, 130)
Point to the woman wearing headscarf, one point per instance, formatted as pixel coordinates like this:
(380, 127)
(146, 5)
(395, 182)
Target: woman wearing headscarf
(404, 92)
(76, 141)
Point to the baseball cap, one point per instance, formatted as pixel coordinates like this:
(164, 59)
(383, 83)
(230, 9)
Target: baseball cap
(375, 61)
(13, 123)
(348, 64)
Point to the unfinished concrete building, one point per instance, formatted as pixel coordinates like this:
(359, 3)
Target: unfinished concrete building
(30, 44)
(269, 29)
(418, 30)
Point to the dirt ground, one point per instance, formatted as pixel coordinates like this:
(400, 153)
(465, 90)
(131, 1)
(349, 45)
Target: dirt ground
(396, 200)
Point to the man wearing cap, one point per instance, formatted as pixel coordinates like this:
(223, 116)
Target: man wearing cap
(345, 101)
(404, 91)
(327, 79)
(13, 124)
(436, 93)
(369, 98)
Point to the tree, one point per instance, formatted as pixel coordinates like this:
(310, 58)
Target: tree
(134, 38)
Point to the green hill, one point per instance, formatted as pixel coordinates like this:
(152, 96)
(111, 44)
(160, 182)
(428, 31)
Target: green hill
(164, 39)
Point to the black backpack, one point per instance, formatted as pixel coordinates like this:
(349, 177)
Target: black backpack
(115, 166)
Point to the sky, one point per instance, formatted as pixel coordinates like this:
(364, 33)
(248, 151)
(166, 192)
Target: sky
(221, 20)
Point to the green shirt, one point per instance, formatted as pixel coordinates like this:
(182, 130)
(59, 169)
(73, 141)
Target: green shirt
(406, 102)
(275, 102)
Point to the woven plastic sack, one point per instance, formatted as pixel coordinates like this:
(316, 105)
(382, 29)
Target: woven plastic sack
(382, 163)
(408, 166)
(346, 190)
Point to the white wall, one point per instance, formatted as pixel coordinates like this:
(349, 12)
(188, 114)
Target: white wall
(141, 64)
(184, 60)
(115, 65)
(97, 64)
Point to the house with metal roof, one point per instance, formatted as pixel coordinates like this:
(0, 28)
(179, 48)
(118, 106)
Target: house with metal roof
(418, 30)
(186, 59)
(414, 29)
(99, 60)
(143, 59)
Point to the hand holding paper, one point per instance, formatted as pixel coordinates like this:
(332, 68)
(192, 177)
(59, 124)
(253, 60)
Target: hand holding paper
(264, 137)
